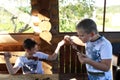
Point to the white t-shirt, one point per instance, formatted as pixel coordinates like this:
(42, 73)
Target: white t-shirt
(31, 66)
(98, 50)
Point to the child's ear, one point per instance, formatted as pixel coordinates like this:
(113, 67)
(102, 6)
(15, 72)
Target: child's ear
(27, 50)
(92, 34)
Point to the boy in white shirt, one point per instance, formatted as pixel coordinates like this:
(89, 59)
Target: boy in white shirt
(98, 49)
(30, 63)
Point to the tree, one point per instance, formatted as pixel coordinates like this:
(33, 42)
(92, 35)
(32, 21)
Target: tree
(18, 13)
(71, 13)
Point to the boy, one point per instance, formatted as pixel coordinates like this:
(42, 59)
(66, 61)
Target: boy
(30, 63)
(98, 51)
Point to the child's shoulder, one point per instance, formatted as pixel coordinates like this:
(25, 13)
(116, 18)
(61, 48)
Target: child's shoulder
(22, 57)
(39, 53)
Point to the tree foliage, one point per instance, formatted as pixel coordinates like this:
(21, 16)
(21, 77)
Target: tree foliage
(71, 13)
(9, 21)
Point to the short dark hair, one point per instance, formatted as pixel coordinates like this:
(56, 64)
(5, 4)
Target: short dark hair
(88, 25)
(29, 43)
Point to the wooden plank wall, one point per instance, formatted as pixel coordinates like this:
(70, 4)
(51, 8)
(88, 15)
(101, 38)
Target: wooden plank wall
(14, 41)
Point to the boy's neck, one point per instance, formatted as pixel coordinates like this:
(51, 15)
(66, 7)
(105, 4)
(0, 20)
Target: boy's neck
(95, 37)
(28, 54)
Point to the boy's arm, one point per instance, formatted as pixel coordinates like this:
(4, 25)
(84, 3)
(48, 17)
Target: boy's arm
(104, 65)
(74, 40)
(55, 54)
(9, 66)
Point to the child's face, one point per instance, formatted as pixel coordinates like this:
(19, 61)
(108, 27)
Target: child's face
(85, 37)
(33, 50)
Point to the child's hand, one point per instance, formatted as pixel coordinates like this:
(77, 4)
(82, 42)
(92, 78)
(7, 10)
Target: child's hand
(68, 39)
(61, 43)
(82, 58)
(73, 40)
(7, 55)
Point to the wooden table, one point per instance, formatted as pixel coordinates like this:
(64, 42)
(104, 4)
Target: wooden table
(44, 77)
(29, 77)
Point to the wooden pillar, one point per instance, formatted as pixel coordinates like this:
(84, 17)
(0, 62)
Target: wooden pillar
(47, 25)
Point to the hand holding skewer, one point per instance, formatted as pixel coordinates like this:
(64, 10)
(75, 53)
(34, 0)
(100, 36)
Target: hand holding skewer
(71, 41)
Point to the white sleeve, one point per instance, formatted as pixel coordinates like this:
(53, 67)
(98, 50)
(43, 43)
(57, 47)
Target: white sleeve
(41, 55)
(18, 62)
(106, 51)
